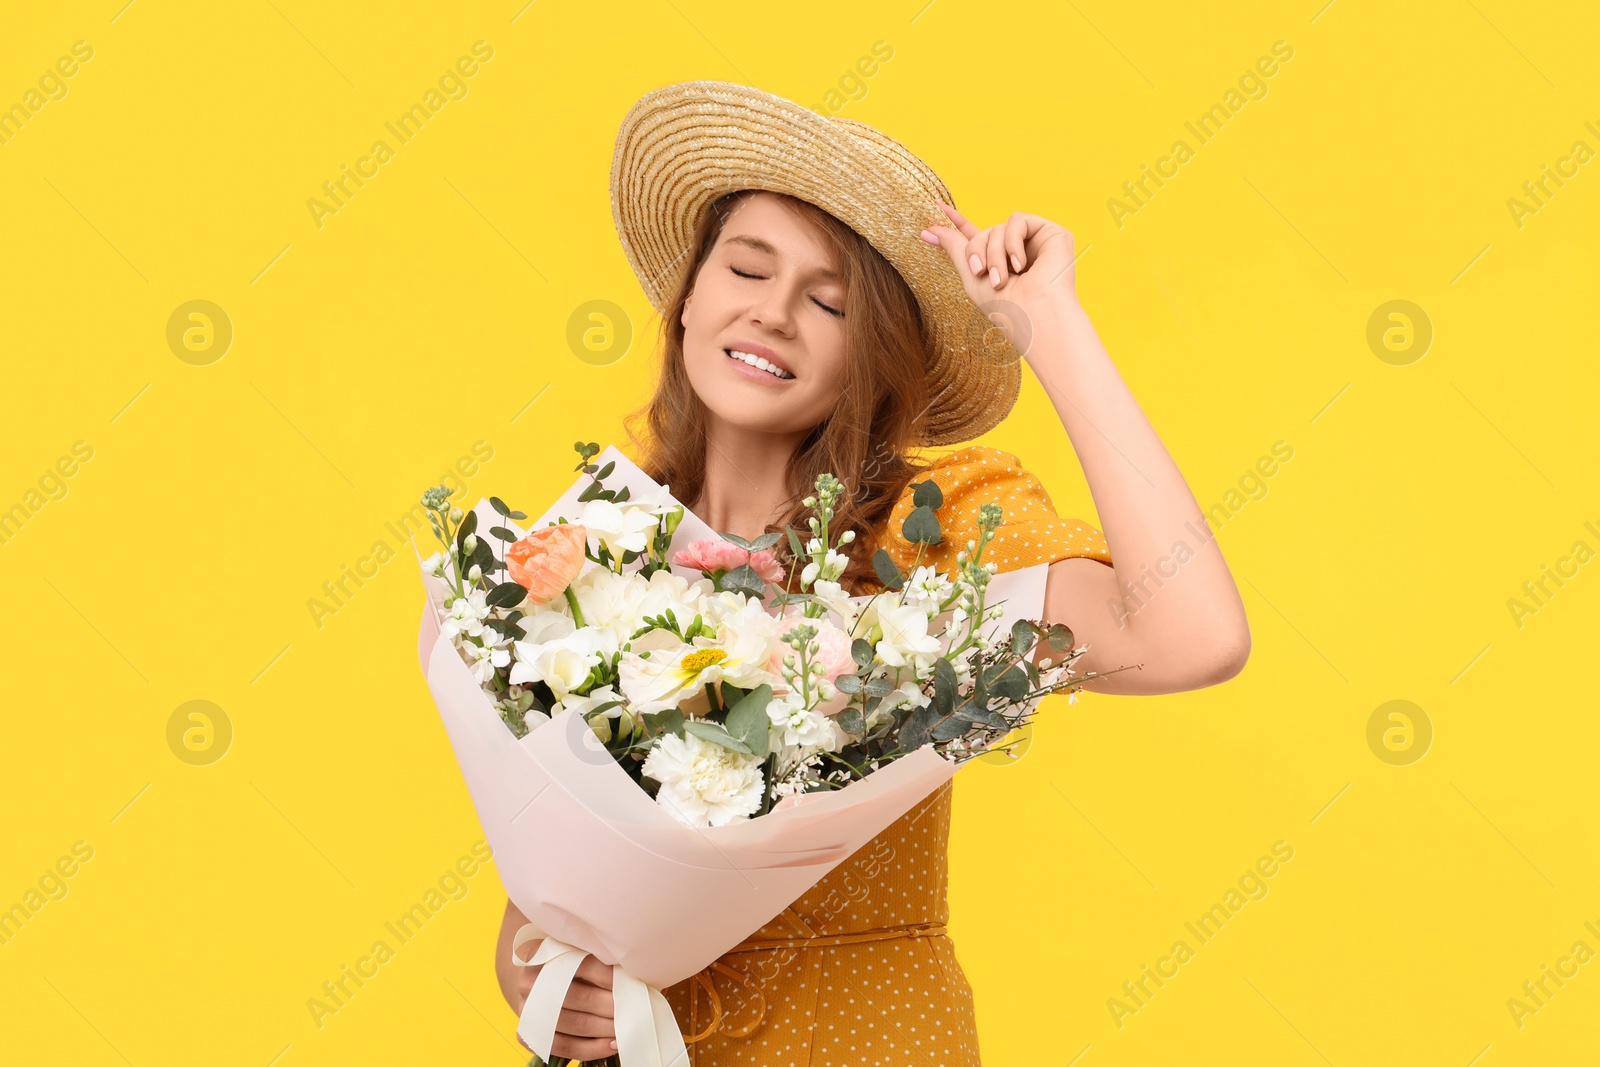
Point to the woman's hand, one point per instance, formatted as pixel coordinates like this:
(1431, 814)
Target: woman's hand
(586, 1026)
(1026, 261)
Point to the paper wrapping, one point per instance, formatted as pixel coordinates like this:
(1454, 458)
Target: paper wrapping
(600, 868)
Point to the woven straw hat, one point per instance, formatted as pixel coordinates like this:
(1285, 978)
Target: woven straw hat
(683, 146)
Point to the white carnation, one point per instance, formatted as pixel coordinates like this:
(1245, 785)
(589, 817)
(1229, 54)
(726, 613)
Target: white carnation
(702, 783)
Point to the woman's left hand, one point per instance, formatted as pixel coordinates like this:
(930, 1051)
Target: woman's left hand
(1026, 261)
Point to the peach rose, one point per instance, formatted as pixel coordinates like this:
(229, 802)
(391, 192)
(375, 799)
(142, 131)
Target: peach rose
(833, 653)
(546, 561)
(714, 555)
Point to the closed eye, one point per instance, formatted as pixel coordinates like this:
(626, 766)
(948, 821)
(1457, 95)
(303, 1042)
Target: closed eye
(838, 313)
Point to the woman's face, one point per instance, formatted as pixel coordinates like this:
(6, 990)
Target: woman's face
(769, 291)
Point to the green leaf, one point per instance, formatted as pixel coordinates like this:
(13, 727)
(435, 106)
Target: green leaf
(951, 728)
(851, 721)
(469, 524)
(714, 733)
(503, 533)
(743, 580)
(500, 506)
(878, 687)
(1023, 634)
(670, 721)
(620, 495)
(1059, 637)
(888, 572)
(927, 495)
(605, 472)
(747, 720)
(1007, 680)
(735, 538)
(765, 541)
(917, 730)
(590, 491)
(848, 683)
(794, 543)
(922, 527)
(861, 651)
(517, 516)
(944, 685)
(506, 595)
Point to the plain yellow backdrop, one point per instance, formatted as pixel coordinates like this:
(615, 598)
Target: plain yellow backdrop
(374, 347)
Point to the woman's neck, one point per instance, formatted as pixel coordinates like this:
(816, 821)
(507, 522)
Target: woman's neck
(746, 482)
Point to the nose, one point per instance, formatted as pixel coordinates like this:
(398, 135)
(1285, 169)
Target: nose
(775, 310)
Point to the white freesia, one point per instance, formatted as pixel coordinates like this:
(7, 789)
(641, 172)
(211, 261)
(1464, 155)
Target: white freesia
(621, 528)
(831, 595)
(565, 663)
(585, 703)
(906, 641)
(702, 783)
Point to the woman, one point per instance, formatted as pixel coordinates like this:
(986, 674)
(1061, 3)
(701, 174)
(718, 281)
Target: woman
(828, 319)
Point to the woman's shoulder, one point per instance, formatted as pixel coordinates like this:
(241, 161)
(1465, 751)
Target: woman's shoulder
(1031, 530)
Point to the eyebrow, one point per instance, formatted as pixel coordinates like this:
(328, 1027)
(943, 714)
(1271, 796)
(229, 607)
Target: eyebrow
(760, 244)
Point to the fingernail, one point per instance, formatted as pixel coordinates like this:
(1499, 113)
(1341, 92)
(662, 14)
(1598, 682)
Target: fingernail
(975, 263)
(930, 237)
(1016, 263)
(613, 1044)
(994, 275)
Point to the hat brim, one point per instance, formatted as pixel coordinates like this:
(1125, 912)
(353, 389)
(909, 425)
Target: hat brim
(682, 146)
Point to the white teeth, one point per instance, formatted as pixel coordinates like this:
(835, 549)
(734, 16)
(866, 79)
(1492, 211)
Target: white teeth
(758, 362)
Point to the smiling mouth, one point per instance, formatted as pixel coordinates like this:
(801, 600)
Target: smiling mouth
(758, 363)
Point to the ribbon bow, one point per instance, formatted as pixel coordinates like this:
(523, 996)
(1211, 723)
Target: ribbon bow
(647, 1031)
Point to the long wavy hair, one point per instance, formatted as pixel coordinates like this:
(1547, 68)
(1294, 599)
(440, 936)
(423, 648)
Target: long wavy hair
(864, 442)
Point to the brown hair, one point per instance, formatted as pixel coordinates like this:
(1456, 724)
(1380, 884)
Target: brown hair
(863, 442)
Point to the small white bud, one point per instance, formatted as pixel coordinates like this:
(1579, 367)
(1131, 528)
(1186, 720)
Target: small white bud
(474, 573)
(455, 514)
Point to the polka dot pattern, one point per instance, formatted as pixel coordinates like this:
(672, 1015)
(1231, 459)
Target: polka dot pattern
(861, 969)
(1030, 531)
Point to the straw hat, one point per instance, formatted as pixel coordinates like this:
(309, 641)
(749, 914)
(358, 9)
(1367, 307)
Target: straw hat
(683, 146)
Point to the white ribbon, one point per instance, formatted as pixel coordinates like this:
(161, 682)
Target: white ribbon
(647, 1031)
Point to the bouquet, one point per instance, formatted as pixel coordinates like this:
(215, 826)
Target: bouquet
(648, 713)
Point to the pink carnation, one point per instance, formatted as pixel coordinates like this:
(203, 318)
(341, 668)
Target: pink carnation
(719, 555)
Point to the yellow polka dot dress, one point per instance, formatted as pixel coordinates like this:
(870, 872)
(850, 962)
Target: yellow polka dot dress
(861, 970)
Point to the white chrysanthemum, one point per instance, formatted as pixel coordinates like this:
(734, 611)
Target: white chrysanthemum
(621, 528)
(465, 614)
(702, 783)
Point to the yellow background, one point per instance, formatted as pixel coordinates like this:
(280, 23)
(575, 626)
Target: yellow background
(371, 353)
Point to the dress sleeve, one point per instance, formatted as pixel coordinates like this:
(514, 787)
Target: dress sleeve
(1030, 531)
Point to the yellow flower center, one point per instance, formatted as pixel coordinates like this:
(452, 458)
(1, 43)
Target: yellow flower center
(697, 661)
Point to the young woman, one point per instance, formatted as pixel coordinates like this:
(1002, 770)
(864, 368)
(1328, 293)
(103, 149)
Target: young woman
(828, 319)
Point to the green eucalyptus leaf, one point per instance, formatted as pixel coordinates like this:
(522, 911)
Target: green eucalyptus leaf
(944, 685)
(735, 538)
(927, 495)
(922, 527)
(506, 595)
(500, 506)
(714, 733)
(794, 543)
(887, 570)
(765, 541)
(503, 533)
(862, 652)
(848, 683)
(747, 720)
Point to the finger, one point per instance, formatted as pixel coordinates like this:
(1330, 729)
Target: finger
(958, 219)
(594, 972)
(1016, 242)
(955, 247)
(581, 1049)
(581, 996)
(583, 1024)
(978, 256)
(999, 269)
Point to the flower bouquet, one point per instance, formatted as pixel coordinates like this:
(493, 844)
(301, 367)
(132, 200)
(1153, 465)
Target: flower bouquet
(648, 713)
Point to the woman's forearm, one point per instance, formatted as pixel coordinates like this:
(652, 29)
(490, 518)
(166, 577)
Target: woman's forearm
(512, 978)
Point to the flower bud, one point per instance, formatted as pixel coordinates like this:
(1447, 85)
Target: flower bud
(470, 543)
(474, 573)
(456, 514)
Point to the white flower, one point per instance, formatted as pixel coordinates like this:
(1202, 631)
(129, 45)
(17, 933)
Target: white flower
(833, 564)
(831, 595)
(484, 659)
(927, 588)
(906, 641)
(466, 614)
(908, 695)
(619, 528)
(587, 702)
(434, 565)
(702, 783)
(809, 573)
(795, 727)
(563, 664)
